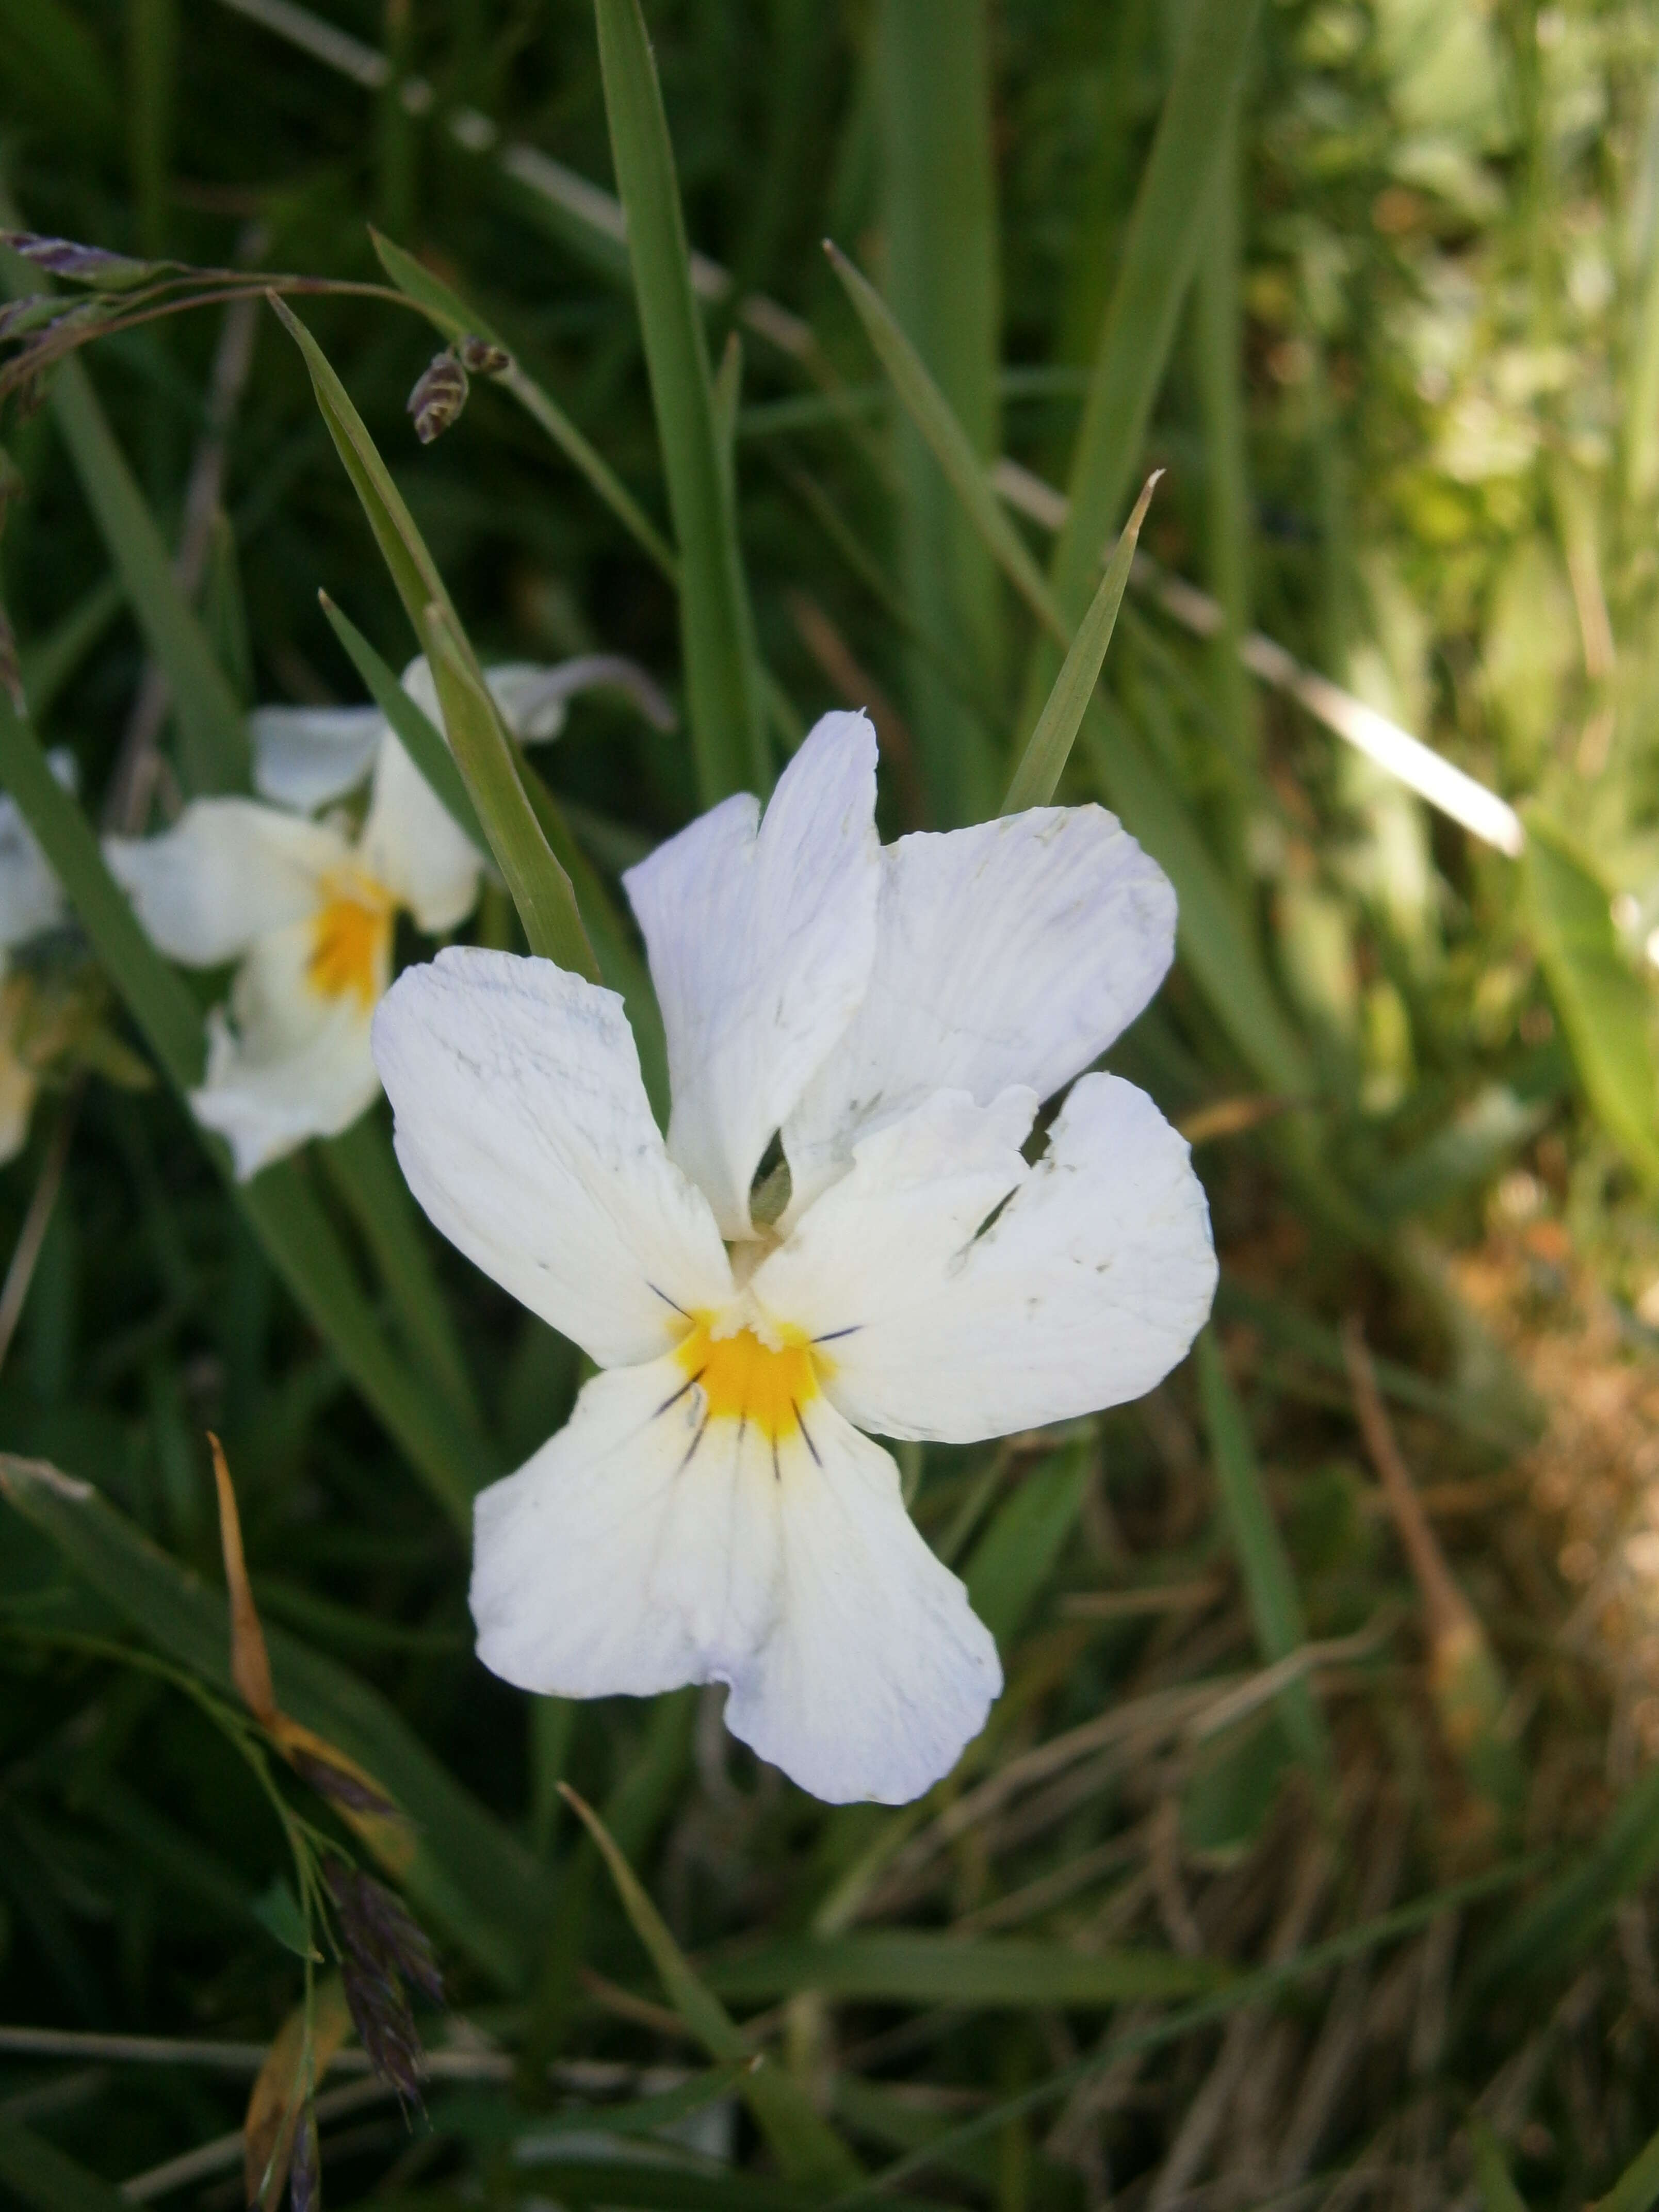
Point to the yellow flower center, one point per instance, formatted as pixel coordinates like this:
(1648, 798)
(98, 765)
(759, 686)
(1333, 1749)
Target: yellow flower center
(744, 1379)
(350, 939)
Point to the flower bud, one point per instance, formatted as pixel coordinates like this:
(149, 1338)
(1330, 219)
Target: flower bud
(482, 356)
(437, 399)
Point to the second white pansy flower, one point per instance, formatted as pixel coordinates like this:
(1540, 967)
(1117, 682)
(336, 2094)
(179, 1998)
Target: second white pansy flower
(713, 1512)
(308, 907)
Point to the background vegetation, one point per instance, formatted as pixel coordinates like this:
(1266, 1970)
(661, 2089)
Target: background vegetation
(1307, 1859)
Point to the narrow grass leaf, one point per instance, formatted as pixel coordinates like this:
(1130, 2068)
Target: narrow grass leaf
(451, 314)
(477, 1881)
(1050, 746)
(950, 1970)
(1638, 2186)
(1491, 2174)
(722, 681)
(53, 661)
(362, 1165)
(933, 70)
(420, 739)
(1269, 1584)
(43, 2177)
(1602, 1003)
(213, 747)
(541, 890)
(1016, 1555)
(933, 416)
(807, 2148)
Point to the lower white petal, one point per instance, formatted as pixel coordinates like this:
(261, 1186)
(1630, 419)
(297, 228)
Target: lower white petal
(228, 871)
(292, 1062)
(648, 1545)
(961, 1294)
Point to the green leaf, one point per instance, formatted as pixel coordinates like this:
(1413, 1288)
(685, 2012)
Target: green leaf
(540, 888)
(721, 678)
(474, 1878)
(421, 740)
(44, 2177)
(276, 1912)
(447, 312)
(1048, 748)
(951, 1969)
(1016, 1555)
(1173, 206)
(1603, 1005)
(1491, 2174)
(928, 409)
(1638, 2186)
(1269, 1584)
(807, 2148)
(50, 663)
(932, 72)
(213, 749)
(364, 1170)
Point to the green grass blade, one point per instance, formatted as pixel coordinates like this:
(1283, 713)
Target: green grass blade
(43, 2177)
(1166, 227)
(156, 996)
(932, 71)
(1218, 943)
(53, 661)
(931, 413)
(297, 1235)
(721, 678)
(1638, 2186)
(1491, 2174)
(364, 1170)
(1050, 746)
(422, 743)
(1601, 1001)
(212, 751)
(540, 888)
(476, 1879)
(1016, 1555)
(1269, 1584)
(807, 2148)
(451, 314)
(926, 1969)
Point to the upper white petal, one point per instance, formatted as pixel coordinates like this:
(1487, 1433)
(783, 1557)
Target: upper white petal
(1087, 1287)
(1013, 952)
(304, 757)
(292, 1063)
(761, 935)
(226, 872)
(524, 1130)
(413, 845)
(644, 1547)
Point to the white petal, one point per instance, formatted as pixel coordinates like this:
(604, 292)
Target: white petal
(31, 897)
(226, 872)
(761, 941)
(304, 757)
(524, 1130)
(646, 1546)
(297, 1064)
(413, 844)
(1011, 953)
(519, 688)
(1086, 1289)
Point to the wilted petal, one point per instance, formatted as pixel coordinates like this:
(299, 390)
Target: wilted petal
(761, 935)
(524, 1130)
(649, 1545)
(1013, 952)
(229, 871)
(1087, 1285)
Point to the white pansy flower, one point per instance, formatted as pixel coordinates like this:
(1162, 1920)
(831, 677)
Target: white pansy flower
(307, 908)
(32, 903)
(713, 1512)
